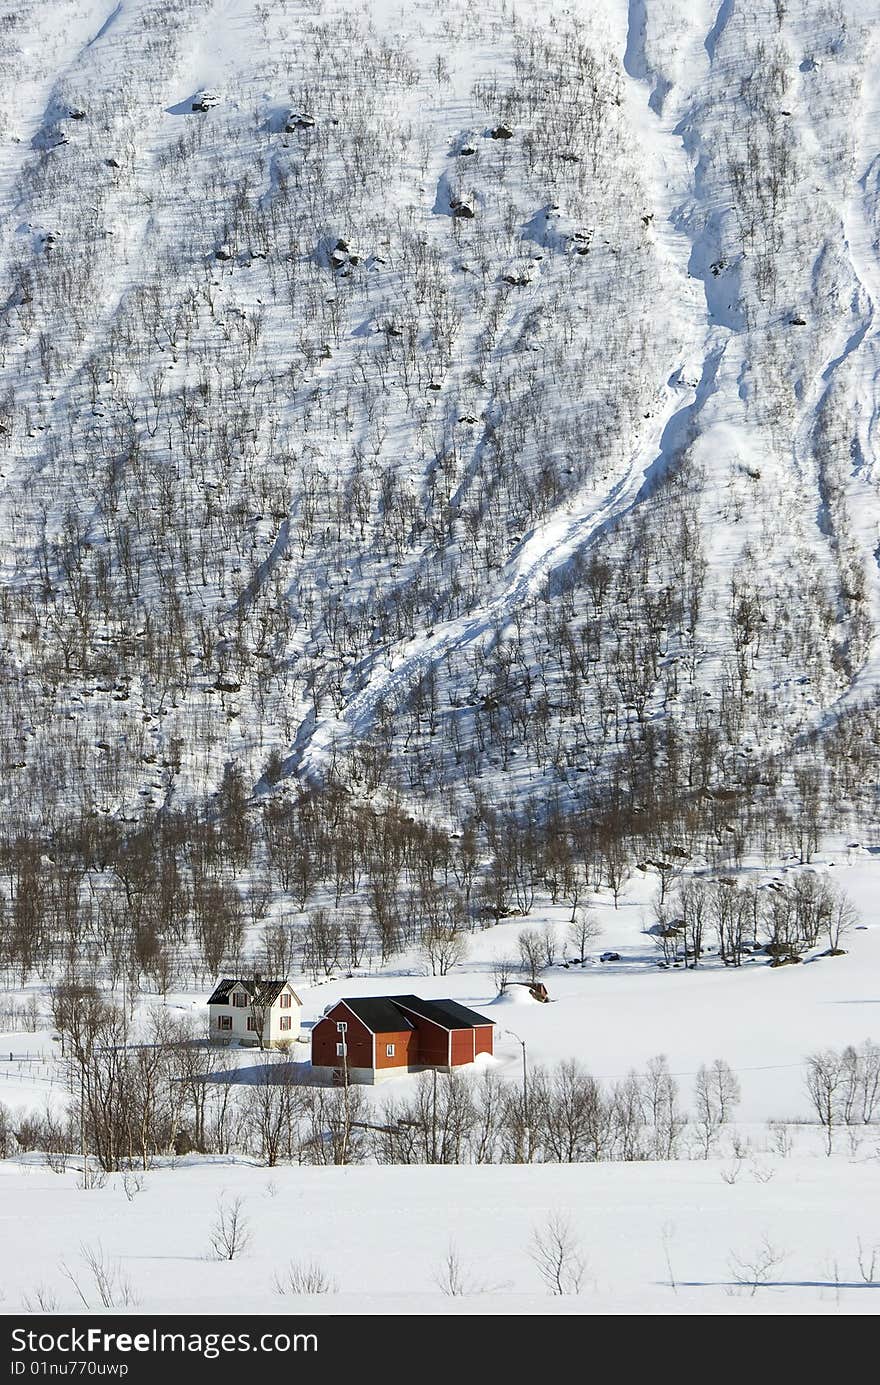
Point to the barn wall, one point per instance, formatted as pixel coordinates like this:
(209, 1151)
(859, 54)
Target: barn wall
(462, 1046)
(485, 1038)
(403, 1046)
(325, 1037)
(433, 1043)
(357, 1077)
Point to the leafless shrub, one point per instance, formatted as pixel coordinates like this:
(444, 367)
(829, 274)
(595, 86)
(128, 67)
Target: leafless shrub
(91, 1176)
(132, 1184)
(503, 971)
(111, 1285)
(761, 1173)
(532, 952)
(230, 1233)
(755, 1270)
(554, 1250)
(869, 1262)
(304, 1277)
(826, 1075)
(780, 1137)
(667, 1231)
(584, 931)
(452, 1278)
(40, 1300)
(731, 1172)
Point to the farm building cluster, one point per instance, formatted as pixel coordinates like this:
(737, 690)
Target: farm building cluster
(364, 1039)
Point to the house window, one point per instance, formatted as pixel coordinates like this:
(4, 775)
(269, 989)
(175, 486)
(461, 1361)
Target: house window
(239, 1000)
(285, 1023)
(389, 1050)
(341, 1050)
(224, 1021)
(285, 1001)
(252, 1023)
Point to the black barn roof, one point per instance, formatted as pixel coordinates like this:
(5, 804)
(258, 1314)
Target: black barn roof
(391, 1014)
(380, 1015)
(447, 1013)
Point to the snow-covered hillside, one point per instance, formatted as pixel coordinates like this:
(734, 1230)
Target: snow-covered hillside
(441, 512)
(455, 388)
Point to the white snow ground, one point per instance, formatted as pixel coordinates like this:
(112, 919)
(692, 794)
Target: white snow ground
(384, 1233)
(657, 1238)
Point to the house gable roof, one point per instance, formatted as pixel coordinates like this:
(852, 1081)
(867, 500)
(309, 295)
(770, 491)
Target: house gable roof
(377, 1013)
(448, 1014)
(258, 993)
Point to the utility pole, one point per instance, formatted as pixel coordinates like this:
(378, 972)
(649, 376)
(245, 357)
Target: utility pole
(342, 1028)
(82, 1125)
(527, 1130)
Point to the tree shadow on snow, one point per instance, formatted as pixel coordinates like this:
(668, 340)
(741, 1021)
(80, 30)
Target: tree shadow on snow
(750, 1288)
(267, 1074)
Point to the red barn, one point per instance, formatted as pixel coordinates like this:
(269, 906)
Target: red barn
(385, 1036)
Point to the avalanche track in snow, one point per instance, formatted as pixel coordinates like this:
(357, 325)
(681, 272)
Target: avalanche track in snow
(582, 520)
(861, 223)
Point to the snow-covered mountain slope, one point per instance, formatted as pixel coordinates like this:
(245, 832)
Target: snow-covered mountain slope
(443, 398)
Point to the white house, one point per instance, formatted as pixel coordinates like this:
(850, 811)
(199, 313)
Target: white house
(240, 1009)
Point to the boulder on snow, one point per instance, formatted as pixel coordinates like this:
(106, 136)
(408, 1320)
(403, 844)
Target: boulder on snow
(516, 993)
(464, 144)
(580, 241)
(299, 120)
(341, 256)
(516, 277)
(205, 100)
